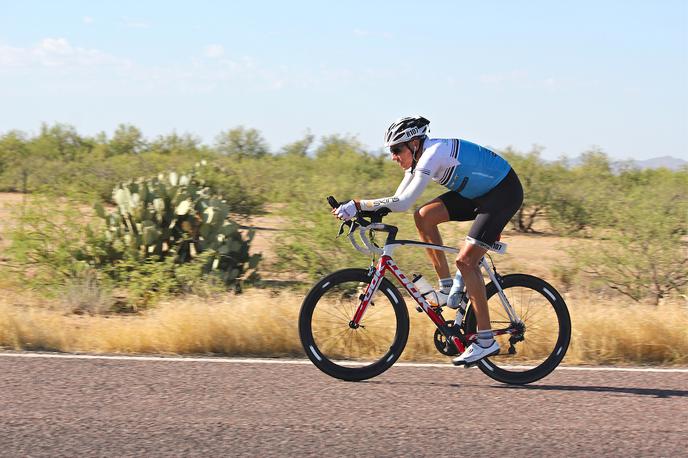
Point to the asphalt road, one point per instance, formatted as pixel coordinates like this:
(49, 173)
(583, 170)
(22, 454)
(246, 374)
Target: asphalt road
(125, 407)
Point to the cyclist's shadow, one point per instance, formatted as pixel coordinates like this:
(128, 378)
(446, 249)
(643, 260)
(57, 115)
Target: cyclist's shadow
(658, 393)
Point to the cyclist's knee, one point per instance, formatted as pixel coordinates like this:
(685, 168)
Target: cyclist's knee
(420, 217)
(469, 259)
(464, 263)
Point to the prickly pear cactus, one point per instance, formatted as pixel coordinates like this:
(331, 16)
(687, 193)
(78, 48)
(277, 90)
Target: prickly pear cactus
(175, 215)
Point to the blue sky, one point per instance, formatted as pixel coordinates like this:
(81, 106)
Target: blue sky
(565, 76)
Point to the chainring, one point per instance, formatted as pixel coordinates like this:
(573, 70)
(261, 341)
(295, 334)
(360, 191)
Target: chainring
(444, 347)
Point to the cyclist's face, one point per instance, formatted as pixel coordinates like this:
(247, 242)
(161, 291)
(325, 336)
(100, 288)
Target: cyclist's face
(401, 154)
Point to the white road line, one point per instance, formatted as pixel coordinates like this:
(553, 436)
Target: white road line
(306, 362)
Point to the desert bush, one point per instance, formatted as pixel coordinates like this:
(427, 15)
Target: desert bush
(58, 160)
(127, 139)
(342, 168)
(46, 236)
(539, 180)
(176, 216)
(245, 185)
(581, 196)
(642, 251)
(241, 143)
(167, 235)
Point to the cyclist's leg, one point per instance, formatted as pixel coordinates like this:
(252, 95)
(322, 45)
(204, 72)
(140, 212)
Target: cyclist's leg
(467, 262)
(427, 218)
(495, 210)
(450, 206)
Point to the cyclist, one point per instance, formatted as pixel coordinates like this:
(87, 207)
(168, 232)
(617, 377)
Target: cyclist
(482, 187)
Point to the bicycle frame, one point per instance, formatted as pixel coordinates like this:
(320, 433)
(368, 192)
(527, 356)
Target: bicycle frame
(386, 263)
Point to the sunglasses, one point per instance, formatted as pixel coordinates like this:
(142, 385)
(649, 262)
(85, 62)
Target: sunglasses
(396, 150)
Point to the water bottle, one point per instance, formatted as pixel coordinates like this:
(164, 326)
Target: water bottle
(425, 289)
(457, 294)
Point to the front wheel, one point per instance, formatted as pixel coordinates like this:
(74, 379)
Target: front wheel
(533, 348)
(344, 352)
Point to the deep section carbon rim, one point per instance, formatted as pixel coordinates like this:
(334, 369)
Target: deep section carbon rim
(353, 353)
(539, 344)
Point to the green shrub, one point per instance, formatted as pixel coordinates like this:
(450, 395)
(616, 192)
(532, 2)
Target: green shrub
(46, 238)
(642, 252)
(242, 185)
(167, 235)
(539, 180)
(580, 197)
(241, 143)
(176, 217)
(343, 169)
(149, 280)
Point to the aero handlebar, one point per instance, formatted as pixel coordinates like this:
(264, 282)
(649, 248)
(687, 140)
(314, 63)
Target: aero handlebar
(363, 225)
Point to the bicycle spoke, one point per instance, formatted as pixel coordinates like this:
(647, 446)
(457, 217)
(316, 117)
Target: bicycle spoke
(340, 316)
(334, 336)
(541, 324)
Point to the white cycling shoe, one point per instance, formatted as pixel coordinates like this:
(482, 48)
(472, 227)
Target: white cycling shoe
(475, 353)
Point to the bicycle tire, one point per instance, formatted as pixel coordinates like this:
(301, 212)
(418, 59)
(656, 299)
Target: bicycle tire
(347, 366)
(494, 366)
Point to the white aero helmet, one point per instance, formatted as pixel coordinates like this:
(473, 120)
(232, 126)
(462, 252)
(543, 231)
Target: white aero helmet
(404, 129)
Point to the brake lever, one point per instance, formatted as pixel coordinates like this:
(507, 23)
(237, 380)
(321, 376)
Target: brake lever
(351, 224)
(353, 227)
(341, 228)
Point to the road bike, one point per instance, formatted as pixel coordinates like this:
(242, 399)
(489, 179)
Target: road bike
(354, 323)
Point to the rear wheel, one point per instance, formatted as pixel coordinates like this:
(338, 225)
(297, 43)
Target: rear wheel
(539, 343)
(353, 353)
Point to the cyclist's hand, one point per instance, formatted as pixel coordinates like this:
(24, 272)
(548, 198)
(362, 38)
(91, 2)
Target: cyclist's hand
(346, 211)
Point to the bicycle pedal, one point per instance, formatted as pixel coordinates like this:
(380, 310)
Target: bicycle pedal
(474, 363)
(465, 364)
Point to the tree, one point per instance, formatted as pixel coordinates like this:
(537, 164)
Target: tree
(644, 255)
(538, 180)
(580, 198)
(174, 144)
(595, 164)
(298, 148)
(127, 139)
(15, 162)
(61, 142)
(241, 143)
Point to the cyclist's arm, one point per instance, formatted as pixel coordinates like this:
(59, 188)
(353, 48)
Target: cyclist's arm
(409, 190)
(404, 182)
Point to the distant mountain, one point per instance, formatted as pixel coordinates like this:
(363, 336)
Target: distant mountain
(668, 162)
(657, 162)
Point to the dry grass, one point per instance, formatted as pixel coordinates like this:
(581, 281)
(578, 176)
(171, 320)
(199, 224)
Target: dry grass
(602, 333)
(262, 323)
(255, 323)
(609, 333)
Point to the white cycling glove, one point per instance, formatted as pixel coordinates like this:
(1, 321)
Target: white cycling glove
(346, 211)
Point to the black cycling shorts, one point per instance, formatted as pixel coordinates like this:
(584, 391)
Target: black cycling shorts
(491, 211)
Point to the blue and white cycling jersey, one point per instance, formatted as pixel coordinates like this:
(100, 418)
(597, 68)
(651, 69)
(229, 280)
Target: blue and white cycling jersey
(460, 165)
(467, 168)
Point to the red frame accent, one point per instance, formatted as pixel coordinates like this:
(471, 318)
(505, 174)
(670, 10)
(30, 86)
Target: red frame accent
(387, 263)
